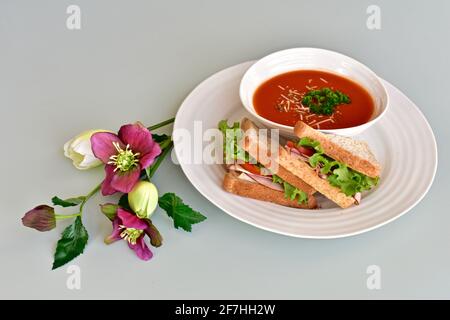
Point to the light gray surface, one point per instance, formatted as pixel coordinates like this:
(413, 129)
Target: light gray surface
(137, 60)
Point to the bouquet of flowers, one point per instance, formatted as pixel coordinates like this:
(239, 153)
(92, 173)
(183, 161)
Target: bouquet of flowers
(131, 158)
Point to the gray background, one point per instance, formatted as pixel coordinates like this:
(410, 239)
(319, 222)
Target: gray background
(137, 60)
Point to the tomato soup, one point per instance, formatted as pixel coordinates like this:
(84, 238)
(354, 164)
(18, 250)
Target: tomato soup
(321, 99)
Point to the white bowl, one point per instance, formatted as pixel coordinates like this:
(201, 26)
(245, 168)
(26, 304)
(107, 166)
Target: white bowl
(313, 59)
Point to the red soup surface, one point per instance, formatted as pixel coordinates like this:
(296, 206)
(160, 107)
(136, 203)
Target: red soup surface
(280, 100)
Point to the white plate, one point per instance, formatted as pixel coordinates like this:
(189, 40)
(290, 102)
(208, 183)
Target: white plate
(402, 141)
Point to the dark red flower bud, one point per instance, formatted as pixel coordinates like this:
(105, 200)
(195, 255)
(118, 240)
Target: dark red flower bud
(41, 218)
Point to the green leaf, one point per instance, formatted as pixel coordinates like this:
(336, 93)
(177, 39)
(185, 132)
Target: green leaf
(290, 191)
(346, 179)
(72, 243)
(183, 216)
(160, 137)
(277, 179)
(71, 202)
(307, 142)
(328, 166)
(342, 173)
(317, 158)
(350, 181)
(232, 136)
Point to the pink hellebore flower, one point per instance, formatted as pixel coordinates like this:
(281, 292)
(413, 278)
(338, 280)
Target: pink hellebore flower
(125, 156)
(129, 227)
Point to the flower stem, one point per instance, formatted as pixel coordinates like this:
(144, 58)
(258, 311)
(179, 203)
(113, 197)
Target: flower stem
(62, 217)
(93, 192)
(88, 196)
(166, 143)
(166, 149)
(161, 124)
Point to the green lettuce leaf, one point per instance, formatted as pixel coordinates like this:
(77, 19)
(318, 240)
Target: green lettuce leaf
(307, 142)
(232, 136)
(291, 192)
(339, 175)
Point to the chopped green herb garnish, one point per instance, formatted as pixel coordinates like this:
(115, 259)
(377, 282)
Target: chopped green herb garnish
(324, 101)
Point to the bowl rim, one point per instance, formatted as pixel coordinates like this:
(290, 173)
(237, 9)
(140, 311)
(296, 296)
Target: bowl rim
(361, 127)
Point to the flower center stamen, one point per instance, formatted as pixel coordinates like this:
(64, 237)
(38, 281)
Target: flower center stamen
(124, 160)
(130, 234)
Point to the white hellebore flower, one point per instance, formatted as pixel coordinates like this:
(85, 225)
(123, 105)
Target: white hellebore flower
(79, 150)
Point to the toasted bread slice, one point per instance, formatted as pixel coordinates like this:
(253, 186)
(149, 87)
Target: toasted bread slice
(306, 173)
(355, 154)
(233, 184)
(284, 174)
(293, 166)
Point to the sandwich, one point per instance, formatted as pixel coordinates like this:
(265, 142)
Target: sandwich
(248, 177)
(338, 167)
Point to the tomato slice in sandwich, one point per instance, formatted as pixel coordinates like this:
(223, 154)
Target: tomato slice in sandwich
(290, 144)
(306, 151)
(251, 168)
(303, 150)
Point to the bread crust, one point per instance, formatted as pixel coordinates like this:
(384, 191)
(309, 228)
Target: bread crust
(369, 167)
(309, 175)
(284, 174)
(298, 168)
(233, 184)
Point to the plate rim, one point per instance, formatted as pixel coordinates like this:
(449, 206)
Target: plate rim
(318, 237)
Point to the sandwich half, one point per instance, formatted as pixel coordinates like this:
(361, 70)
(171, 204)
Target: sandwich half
(234, 182)
(347, 166)
(250, 178)
(338, 167)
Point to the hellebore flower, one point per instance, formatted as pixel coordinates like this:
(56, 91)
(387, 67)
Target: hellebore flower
(41, 218)
(129, 227)
(124, 155)
(143, 199)
(79, 150)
